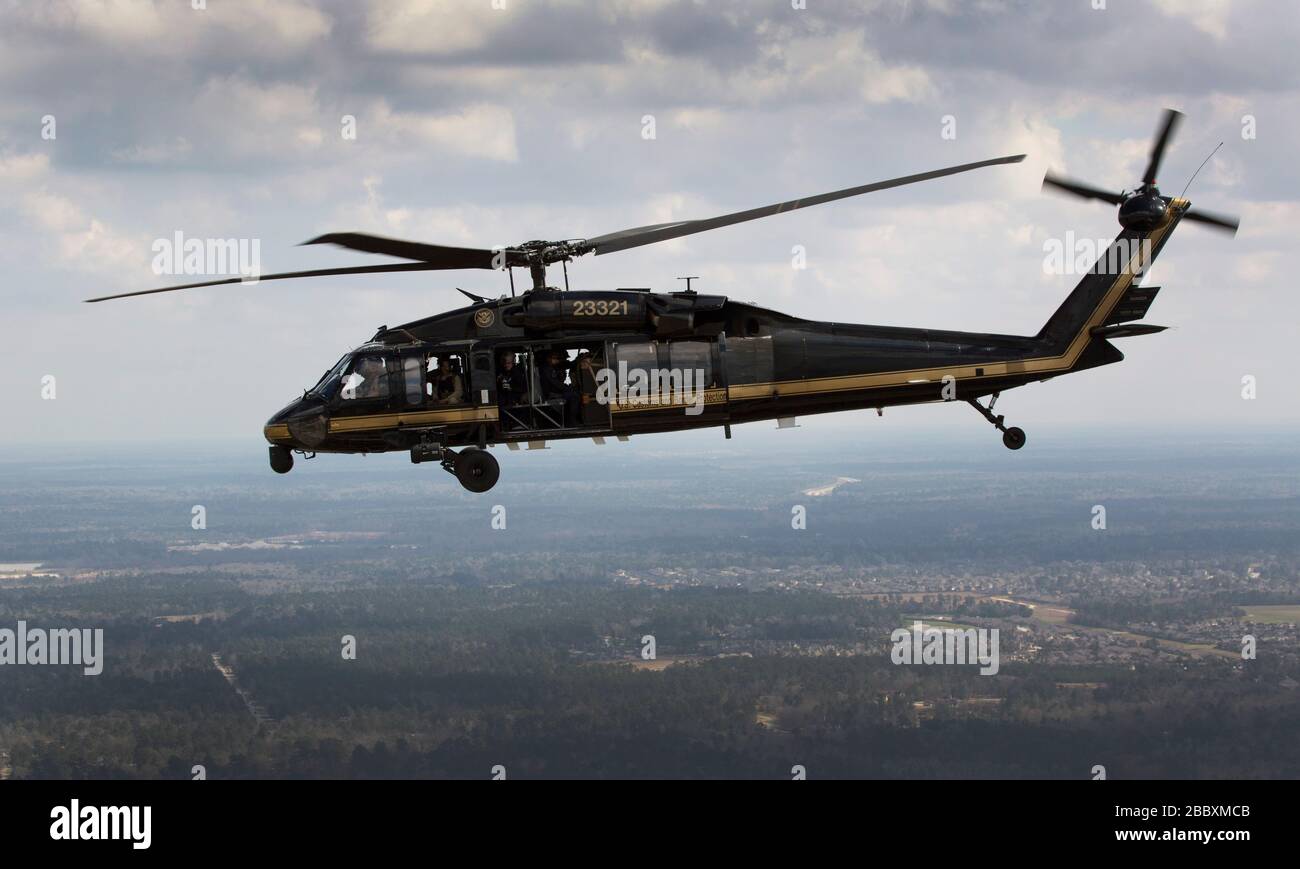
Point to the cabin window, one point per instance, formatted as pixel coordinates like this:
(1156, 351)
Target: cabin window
(749, 360)
(638, 356)
(413, 379)
(695, 357)
(447, 379)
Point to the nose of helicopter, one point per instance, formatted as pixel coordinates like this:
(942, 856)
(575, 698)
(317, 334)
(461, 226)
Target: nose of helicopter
(303, 424)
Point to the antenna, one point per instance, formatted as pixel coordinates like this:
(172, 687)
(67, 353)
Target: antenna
(688, 282)
(1198, 170)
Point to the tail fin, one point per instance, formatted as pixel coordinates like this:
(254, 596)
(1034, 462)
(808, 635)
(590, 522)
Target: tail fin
(1107, 293)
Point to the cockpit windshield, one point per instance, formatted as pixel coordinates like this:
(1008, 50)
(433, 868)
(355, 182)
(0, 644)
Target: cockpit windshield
(329, 382)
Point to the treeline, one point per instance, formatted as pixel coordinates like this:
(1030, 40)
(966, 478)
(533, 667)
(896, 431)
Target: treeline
(1126, 612)
(838, 717)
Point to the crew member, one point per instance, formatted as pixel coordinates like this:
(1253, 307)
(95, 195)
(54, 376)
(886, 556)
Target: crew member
(512, 382)
(554, 386)
(585, 380)
(448, 388)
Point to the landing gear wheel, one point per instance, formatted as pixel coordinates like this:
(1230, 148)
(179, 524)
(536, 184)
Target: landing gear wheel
(1012, 438)
(281, 460)
(477, 470)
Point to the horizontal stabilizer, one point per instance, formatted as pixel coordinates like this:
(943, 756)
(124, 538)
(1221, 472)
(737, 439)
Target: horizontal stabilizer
(1133, 305)
(1126, 330)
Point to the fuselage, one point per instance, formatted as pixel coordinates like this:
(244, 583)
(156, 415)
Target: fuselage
(715, 361)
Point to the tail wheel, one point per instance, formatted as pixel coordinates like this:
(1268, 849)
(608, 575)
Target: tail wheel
(1013, 438)
(477, 470)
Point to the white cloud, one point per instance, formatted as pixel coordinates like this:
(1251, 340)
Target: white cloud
(907, 83)
(175, 28)
(23, 167)
(480, 130)
(432, 27)
(1208, 16)
(821, 66)
(1025, 131)
(249, 119)
(699, 119)
(82, 242)
(1259, 268)
(1276, 220)
(154, 155)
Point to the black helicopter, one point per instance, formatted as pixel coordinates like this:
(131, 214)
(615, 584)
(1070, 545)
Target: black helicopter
(551, 363)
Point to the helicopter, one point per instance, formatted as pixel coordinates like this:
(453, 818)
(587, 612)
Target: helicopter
(550, 363)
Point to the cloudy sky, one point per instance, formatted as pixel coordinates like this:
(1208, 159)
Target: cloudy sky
(481, 123)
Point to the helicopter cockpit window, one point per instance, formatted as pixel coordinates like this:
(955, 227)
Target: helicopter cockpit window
(329, 382)
(368, 380)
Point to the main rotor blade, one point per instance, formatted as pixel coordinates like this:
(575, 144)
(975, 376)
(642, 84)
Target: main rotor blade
(314, 273)
(1170, 124)
(437, 254)
(637, 236)
(1087, 192)
(1229, 224)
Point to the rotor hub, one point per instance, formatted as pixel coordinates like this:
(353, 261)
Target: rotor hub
(1144, 211)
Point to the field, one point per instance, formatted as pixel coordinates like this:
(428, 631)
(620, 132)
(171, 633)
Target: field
(1288, 614)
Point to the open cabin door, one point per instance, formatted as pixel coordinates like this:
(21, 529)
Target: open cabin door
(550, 388)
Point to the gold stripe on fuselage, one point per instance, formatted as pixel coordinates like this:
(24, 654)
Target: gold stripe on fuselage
(675, 400)
(381, 421)
(342, 424)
